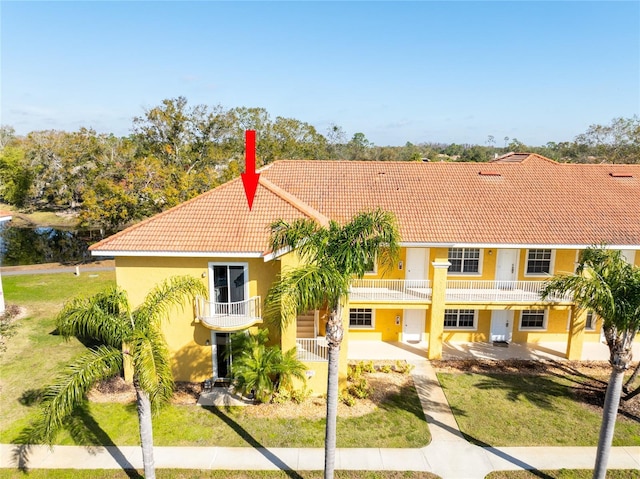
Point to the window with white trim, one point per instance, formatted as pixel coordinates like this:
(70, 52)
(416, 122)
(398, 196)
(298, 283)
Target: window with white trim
(590, 322)
(533, 319)
(372, 267)
(464, 260)
(460, 318)
(360, 318)
(539, 262)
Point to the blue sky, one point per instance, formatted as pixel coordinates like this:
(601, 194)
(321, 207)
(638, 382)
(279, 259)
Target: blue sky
(397, 71)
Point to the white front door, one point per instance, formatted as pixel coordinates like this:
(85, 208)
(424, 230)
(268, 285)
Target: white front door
(501, 325)
(416, 263)
(413, 325)
(507, 265)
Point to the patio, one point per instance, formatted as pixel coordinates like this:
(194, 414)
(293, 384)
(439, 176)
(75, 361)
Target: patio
(379, 350)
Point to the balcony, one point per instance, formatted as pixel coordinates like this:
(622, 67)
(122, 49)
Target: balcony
(312, 349)
(499, 291)
(419, 291)
(228, 316)
(390, 290)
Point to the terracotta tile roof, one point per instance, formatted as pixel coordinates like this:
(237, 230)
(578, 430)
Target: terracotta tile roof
(218, 221)
(531, 201)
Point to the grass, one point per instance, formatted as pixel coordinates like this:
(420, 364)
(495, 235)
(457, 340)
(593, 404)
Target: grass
(34, 354)
(562, 474)
(207, 474)
(40, 218)
(398, 423)
(527, 410)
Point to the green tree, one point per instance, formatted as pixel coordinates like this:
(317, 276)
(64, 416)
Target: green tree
(618, 142)
(123, 336)
(330, 257)
(15, 176)
(610, 287)
(263, 369)
(358, 147)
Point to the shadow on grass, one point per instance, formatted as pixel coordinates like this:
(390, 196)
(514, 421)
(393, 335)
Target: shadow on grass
(538, 390)
(249, 439)
(82, 428)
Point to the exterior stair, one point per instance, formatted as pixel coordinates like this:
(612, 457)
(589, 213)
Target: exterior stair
(306, 325)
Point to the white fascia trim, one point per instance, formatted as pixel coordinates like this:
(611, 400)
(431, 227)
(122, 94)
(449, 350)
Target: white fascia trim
(276, 254)
(180, 254)
(5, 218)
(513, 245)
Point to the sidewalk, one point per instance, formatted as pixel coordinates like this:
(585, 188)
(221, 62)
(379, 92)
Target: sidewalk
(449, 455)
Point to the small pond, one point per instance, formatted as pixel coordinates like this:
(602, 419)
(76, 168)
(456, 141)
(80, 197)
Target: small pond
(20, 246)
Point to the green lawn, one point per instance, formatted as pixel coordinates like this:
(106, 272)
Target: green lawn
(35, 354)
(527, 410)
(562, 474)
(190, 474)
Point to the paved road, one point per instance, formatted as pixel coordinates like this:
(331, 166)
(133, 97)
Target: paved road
(56, 268)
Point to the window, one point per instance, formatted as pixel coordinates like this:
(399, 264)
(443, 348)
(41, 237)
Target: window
(361, 318)
(539, 261)
(532, 319)
(590, 323)
(464, 260)
(372, 267)
(460, 318)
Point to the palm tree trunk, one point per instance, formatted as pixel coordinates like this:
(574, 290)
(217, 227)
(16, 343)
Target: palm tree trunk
(631, 379)
(334, 339)
(609, 414)
(146, 433)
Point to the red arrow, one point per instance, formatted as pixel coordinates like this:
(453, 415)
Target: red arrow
(250, 177)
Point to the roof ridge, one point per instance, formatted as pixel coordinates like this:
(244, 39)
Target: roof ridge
(304, 208)
(135, 226)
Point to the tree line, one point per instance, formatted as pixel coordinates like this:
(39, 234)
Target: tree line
(177, 151)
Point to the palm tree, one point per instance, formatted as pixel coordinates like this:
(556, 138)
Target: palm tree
(125, 337)
(331, 256)
(263, 369)
(610, 287)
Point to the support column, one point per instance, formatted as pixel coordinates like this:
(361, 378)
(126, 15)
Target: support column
(438, 298)
(575, 339)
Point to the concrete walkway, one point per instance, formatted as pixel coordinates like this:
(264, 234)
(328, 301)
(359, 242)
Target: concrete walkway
(448, 455)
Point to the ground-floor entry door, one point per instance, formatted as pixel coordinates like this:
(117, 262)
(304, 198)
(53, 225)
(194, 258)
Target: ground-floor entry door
(221, 356)
(413, 325)
(501, 325)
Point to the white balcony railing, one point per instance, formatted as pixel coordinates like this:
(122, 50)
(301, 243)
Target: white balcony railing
(501, 291)
(312, 349)
(228, 316)
(399, 290)
(418, 290)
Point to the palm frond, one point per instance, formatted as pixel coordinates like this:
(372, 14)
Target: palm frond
(169, 294)
(152, 366)
(288, 368)
(102, 317)
(355, 246)
(606, 284)
(69, 390)
(303, 288)
(286, 235)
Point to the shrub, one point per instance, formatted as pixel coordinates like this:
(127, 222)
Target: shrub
(264, 370)
(403, 367)
(360, 389)
(346, 398)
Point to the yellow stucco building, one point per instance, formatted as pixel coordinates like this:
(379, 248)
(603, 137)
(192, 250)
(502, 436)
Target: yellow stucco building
(478, 241)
